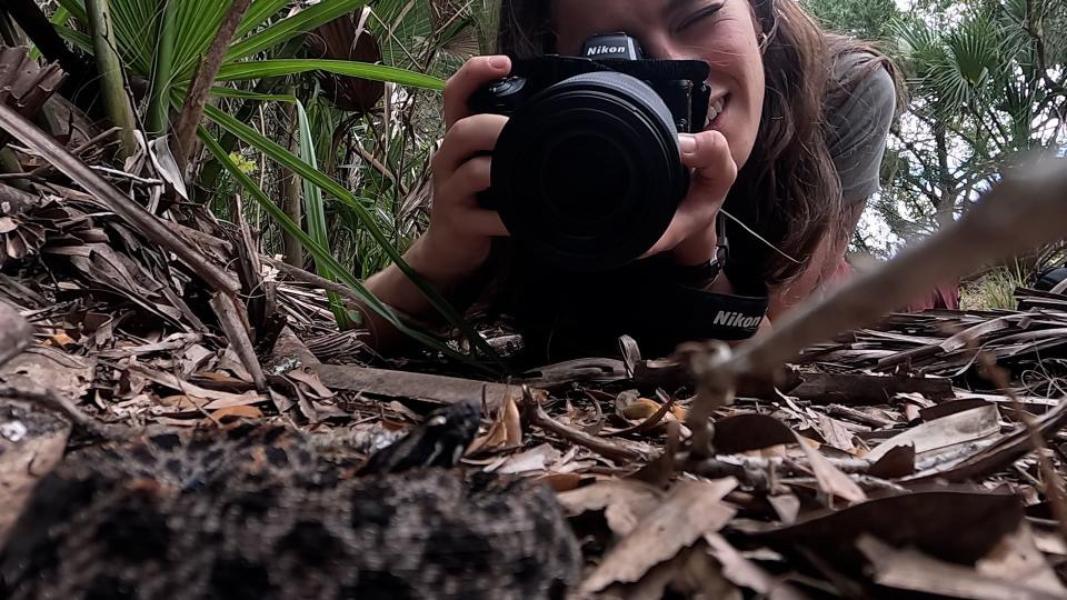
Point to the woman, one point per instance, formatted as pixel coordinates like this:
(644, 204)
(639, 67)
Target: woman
(793, 154)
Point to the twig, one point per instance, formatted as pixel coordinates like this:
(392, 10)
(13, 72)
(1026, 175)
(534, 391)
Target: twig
(193, 110)
(103, 192)
(237, 333)
(537, 416)
(56, 403)
(1053, 484)
(837, 410)
(1026, 210)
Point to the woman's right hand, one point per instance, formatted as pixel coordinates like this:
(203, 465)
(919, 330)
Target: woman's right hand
(460, 233)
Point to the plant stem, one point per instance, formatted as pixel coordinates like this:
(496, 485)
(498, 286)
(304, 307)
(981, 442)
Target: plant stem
(193, 111)
(290, 188)
(159, 103)
(107, 59)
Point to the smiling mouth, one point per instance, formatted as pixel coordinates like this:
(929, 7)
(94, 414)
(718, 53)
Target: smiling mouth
(715, 108)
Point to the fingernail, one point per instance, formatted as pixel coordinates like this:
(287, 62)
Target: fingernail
(498, 62)
(687, 143)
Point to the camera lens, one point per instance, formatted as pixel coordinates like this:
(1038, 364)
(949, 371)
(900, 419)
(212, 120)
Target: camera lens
(587, 173)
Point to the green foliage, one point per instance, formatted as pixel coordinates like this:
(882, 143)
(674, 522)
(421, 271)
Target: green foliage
(994, 290)
(372, 167)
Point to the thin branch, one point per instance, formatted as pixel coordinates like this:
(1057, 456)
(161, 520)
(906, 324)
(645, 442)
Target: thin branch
(1026, 210)
(193, 111)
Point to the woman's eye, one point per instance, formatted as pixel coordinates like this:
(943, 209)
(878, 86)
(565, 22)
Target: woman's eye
(700, 15)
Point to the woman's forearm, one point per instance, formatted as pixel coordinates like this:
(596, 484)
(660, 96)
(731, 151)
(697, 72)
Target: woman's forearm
(393, 287)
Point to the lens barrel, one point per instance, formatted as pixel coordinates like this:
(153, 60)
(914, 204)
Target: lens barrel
(587, 174)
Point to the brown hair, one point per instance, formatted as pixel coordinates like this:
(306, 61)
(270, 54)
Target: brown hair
(788, 192)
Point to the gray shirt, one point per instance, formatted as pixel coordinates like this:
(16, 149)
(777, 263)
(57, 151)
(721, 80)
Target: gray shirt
(859, 124)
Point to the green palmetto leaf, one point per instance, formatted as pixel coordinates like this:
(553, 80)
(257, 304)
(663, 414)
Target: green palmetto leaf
(288, 28)
(262, 69)
(282, 156)
(76, 9)
(258, 14)
(323, 255)
(315, 209)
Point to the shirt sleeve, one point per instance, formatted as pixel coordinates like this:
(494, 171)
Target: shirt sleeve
(859, 126)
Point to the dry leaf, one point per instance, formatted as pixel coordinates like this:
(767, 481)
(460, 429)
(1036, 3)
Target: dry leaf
(624, 502)
(909, 569)
(504, 434)
(958, 428)
(640, 409)
(831, 480)
(692, 509)
(239, 412)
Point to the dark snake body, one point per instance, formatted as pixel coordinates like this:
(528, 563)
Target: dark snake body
(264, 512)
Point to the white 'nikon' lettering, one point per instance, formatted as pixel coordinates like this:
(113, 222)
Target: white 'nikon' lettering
(598, 50)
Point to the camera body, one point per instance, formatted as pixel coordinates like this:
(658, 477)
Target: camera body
(587, 173)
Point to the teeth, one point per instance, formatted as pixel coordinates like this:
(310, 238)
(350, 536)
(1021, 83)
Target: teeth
(714, 109)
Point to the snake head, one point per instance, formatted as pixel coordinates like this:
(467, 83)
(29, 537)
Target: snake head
(439, 441)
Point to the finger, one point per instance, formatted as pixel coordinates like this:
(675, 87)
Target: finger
(461, 192)
(714, 170)
(470, 178)
(713, 173)
(475, 73)
(467, 138)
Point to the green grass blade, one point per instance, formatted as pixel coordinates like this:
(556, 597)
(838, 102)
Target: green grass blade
(293, 163)
(257, 15)
(225, 92)
(158, 121)
(320, 254)
(315, 209)
(298, 24)
(261, 69)
(80, 40)
(76, 9)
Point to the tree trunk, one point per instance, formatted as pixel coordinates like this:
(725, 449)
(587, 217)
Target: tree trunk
(291, 201)
(107, 59)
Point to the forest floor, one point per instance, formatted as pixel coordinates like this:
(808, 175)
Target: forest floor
(893, 458)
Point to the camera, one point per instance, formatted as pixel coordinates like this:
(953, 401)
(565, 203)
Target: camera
(586, 174)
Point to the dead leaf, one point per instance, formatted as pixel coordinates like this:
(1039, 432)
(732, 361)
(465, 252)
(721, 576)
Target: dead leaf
(831, 480)
(692, 573)
(960, 526)
(692, 509)
(624, 502)
(237, 412)
(745, 573)
(640, 409)
(835, 433)
(909, 569)
(957, 428)
(746, 432)
(504, 434)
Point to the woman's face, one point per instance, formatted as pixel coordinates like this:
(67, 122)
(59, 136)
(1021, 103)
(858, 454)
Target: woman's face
(721, 32)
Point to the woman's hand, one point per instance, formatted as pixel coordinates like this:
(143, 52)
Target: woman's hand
(460, 233)
(690, 238)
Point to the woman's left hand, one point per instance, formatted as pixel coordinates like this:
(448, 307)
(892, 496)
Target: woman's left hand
(690, 237)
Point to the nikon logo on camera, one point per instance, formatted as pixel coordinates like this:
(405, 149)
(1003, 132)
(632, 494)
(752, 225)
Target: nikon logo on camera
(605, 50)
(735, 319)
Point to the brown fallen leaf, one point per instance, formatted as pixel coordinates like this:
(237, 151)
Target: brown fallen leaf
(957, 428)
(912, 570)
(955, 525)
(692, 573)
(238, 412)
(623, 501)
(692, 509)
(504, 434)
(831, 480)
(640, 409)
(745, 573)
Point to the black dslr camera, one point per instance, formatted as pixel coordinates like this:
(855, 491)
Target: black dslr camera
(587, 174)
